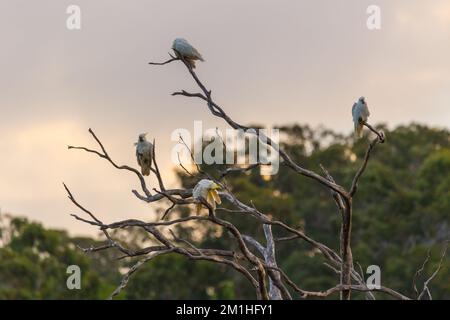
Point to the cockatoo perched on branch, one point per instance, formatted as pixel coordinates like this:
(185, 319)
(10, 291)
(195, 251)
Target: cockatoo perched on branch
(144, 151)
(184, 50)
(360, 113)
(206, 190)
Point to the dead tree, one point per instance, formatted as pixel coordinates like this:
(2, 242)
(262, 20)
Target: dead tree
(256, 262)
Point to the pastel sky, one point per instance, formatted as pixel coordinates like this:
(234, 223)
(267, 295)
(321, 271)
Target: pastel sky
(270, 62)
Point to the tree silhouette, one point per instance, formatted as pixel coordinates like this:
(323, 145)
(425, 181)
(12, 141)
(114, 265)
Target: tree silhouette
(255, 261)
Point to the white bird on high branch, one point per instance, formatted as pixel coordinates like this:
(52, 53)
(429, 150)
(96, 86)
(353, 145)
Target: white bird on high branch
(360, 113)
(185, 50)
(206, 190)
(144, 152)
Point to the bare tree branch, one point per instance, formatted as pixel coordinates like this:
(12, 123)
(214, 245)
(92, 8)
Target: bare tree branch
(380, 135)
(359, 173)
(256, 268)
(105, 155)
(172, 59)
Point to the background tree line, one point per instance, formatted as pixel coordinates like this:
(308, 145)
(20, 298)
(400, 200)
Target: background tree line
(401, 211)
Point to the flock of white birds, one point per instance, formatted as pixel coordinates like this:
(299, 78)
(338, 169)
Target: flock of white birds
(206, 190)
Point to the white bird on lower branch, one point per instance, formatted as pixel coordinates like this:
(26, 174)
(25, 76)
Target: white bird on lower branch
(185, 50)
(144, 152)
(206, 190)
(360, 113)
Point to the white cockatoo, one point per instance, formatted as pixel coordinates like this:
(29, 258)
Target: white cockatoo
(206, 190)
(183, 49)
(360, 113)
(144, 151)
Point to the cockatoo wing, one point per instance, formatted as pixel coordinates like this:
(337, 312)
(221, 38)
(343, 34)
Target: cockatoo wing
(355, 112)
(185, 49)
(365, 112)
(138, 157)
(200, 190)
(196, 192)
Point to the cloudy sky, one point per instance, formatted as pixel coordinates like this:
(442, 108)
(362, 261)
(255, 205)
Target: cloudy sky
(271, 62)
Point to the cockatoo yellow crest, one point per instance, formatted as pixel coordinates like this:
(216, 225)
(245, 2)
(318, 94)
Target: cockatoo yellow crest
(206, 190)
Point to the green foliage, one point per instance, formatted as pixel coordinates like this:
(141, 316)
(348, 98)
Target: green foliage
(401, 211)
